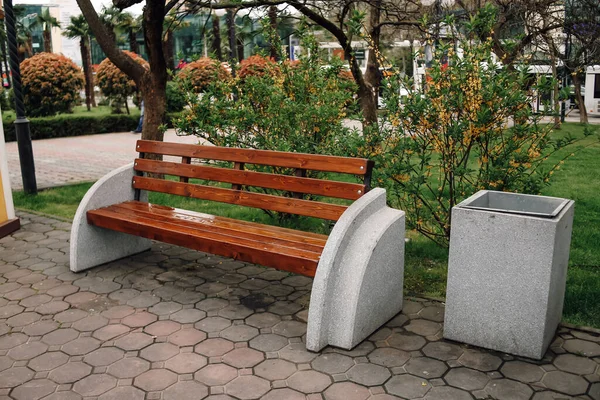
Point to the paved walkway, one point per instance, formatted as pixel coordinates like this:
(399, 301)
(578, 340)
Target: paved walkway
(65, 161)
(175, 324)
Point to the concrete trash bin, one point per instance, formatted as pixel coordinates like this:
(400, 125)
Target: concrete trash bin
(507, 271)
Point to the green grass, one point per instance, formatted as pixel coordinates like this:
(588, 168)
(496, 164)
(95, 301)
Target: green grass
(99, 111)
(426, 263)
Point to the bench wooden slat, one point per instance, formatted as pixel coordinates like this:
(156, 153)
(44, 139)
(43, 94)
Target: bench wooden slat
(243, 198)
(229, 223)
(315, 162)
(239, 231)
(298, 184)
(293, 260)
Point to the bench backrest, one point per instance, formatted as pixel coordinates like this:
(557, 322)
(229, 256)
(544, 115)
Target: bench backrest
(297, 184)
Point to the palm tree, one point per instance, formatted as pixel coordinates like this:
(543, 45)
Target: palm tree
(131, 26)
(113, 18)
(47, 22)
(79, 29)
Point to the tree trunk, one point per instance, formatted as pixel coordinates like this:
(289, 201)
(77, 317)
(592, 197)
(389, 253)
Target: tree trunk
(240, 49)
(216, 42)
(168, 49)
(555, 98)
(273, 22)
(86, 75)
(583, 117)
(90, 72)
(373, 75)
(47, 40)
(154, 81)
(230, 18)
(133, 44)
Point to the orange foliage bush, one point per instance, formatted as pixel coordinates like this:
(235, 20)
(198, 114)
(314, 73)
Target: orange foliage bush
(257, 66)
(114, 83)
(51, 84)
(202, 72)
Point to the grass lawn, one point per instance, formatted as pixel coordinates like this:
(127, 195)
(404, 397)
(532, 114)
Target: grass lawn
(425, 262)
(99, 111)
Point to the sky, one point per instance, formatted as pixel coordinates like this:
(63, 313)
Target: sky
(136, 9)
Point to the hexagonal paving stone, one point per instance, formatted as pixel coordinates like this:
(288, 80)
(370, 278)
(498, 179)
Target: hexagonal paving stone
(134, 341)
(275, 369)
(188, 316)
(35, 301)
(212, 304)
(522, 371)
(239, 333)
(466, 378)
(263, 320)
(187, 337)
(155, 379)
(48, 361)
(582, 347)
(280, 394)
(95, 385)
(216, 374)
(27, 351)
(595, 391)
(70, 372)
(309, 381)
(60, 336)
(40, 328)
(389, 357)
(186, 363)
(505, 389)
(15, 376)
(139, 320)
(55, 307)
(479, 360)
(110, 332)
(443, 351)
(248, 387)
(123, 393)
(33, 390)
(12, 340)
(90, 323)
(565, 383)
(423, 327)
(81, 346)
(129, 367)
(103, 356)
(118, 312)
(426, 367)
(332, 363)
(406, 342)
(162, 328)
(186, 390)
(368, 374)
(23, 319)
(297, 353)
(159, 352)
(290, 328)
(213, 324)
(214, 347)
(10, 310)
(575, 364)
(268, 342)
(236, 311)
(346, 391)
(446, 393)
(243, 357)
(408, 386)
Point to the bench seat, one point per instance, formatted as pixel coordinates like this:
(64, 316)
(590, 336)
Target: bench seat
(271, 246)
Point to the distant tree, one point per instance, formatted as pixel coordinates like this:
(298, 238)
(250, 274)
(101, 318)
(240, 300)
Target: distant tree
(47, 22)
(130, 25)
(79, 29)
(216, 34)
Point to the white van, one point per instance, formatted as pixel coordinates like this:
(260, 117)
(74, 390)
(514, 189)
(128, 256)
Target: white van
(592, 90)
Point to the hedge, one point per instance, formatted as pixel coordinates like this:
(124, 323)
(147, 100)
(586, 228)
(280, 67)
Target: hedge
(74, 125)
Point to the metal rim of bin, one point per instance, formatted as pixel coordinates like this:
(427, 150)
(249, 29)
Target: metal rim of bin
(468, 203)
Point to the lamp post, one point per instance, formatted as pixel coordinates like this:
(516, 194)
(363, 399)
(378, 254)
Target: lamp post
(21, 123)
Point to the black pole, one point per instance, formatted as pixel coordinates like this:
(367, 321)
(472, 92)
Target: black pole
(21, 123)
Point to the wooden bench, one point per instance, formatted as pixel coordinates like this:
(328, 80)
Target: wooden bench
(127, 220)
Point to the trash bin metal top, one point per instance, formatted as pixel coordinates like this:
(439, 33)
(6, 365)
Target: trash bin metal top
(515, 203)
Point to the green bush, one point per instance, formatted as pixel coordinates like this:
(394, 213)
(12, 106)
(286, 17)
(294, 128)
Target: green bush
(51, 84)
(76, 125)
(175, 98)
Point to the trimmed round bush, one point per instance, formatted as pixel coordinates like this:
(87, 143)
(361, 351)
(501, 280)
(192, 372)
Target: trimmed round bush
(200, 73)
(258, 66)
(51, 84)
(114, 83)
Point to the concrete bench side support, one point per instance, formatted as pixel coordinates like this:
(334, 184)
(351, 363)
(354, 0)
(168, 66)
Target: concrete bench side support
(92, 246)
(358, 284)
